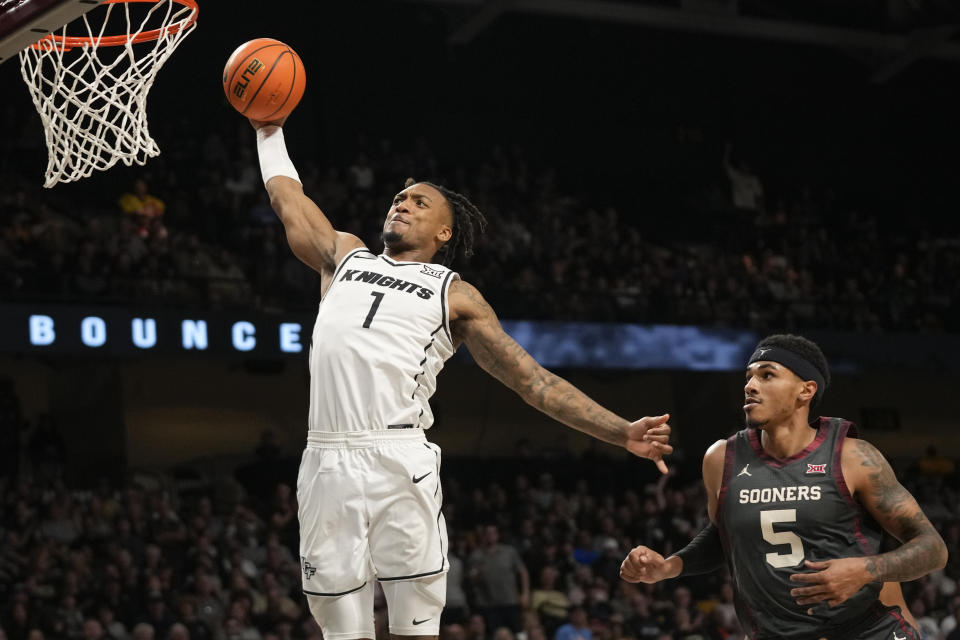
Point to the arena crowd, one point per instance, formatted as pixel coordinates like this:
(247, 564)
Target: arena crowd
(534, 554)
(195, 229)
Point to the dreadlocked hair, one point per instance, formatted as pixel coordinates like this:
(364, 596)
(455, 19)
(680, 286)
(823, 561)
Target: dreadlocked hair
(468, 223)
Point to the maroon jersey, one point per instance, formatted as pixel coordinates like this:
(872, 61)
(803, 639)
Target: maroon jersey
(774, 514)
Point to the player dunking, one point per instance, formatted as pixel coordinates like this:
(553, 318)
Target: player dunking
(797, 513)
(368, 487)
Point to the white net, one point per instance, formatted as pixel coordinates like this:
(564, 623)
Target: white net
(92, 98)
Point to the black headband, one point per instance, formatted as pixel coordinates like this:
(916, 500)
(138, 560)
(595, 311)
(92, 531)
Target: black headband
(796, 363)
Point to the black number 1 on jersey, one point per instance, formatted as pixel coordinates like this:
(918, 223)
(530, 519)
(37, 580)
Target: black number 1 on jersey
(377, 297)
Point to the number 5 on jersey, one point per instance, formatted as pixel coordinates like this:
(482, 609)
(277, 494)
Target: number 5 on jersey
(767, 520)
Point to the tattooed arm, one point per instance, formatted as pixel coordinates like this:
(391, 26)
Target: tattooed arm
(872, 482)
(475, 324)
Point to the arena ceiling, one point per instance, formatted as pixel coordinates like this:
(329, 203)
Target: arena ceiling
(887, 35)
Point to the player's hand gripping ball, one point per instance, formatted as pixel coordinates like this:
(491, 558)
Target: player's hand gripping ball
(264, 79)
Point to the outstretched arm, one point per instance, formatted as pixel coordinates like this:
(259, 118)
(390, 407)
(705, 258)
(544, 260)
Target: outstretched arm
(703, 554)
(475, 323)
(871, 480)
(310, 235)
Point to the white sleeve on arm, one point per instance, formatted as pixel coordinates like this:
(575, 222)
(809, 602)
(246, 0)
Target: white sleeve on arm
(272, 150)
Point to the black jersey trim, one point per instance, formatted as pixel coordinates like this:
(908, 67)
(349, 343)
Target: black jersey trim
(401, 264)
(412, 576)
(895, 612)
(416, 378)
(336, 272)
(340, 267)
(342, 593)
(435, 491)
(443, 304)
(443, 554)
(841, 483)
(345, 259)
(729, 455)
(753, 437)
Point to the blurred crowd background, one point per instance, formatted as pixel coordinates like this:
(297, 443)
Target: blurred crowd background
(197, 230)
(536, 544)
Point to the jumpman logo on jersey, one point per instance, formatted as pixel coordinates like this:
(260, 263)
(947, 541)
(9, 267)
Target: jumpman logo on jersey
(744, 472)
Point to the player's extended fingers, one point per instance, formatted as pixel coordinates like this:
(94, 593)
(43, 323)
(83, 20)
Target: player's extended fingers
(662, 466)
(663, 438)
(662, 448)
(817, 589)
(654, 422)
(821, 597)
(809, 578)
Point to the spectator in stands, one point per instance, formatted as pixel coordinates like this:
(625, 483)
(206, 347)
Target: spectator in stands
(158, 615)
(477, 627)
(93, 630)
(141, 206)
(686, 617)
(577, 628)
(453, 631)
(642, 622)
(112, 627)
(746, 190)
(361, 173)
(143, 631)
(496, 569)
(927, 625)
(550, 604)
(933, 464)
(951, 622)
(195, 627)
(178, 632)
(724, 618)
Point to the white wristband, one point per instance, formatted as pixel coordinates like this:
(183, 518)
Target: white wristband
(272, 150)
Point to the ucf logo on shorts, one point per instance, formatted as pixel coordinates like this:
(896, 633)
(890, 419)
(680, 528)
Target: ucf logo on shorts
(308, 569)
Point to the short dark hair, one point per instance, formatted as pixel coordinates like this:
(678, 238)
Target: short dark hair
(806, 349)
(468, 222)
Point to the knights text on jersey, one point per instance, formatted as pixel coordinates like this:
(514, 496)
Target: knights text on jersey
(381, 336)
(774, 514)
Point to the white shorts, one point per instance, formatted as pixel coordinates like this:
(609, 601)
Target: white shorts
(369, 508)
(413, 609)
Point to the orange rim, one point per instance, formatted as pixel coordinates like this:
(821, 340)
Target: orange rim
(53, 41)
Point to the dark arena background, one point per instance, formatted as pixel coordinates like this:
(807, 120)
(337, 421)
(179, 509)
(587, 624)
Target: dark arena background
(666, 182)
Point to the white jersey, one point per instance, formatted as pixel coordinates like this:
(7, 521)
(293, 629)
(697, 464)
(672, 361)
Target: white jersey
(381, 336)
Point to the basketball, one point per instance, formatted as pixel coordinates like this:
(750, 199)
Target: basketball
(264, 79)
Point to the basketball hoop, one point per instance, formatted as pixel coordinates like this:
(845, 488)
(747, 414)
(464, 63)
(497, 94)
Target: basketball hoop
(91, 90)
